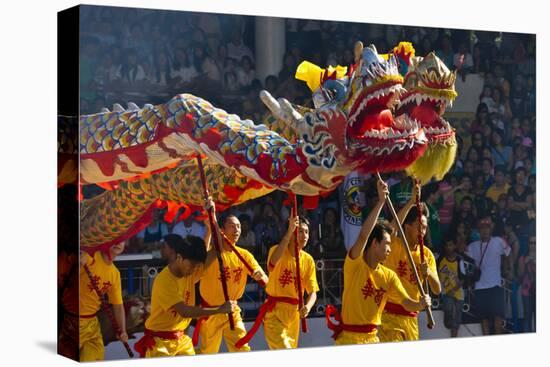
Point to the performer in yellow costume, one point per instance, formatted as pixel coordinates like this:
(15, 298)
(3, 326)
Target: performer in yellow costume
(213, 328)
(173, 299)
(107, 278)
(368, 284)
(398, 323)
(280, 312)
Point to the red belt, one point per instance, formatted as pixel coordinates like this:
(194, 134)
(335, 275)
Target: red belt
(200, 320)
(338, 328)
(397, 309)
(147, 342)
(268, 306)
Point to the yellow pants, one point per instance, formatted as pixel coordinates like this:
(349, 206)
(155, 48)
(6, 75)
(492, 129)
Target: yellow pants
(215, 327)
(397, 328)
(91, 341)
(170, 347)
(282, 327)
(349, 337)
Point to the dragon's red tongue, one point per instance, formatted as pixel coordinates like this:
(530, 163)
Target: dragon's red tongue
(427, 115)
(377, 121)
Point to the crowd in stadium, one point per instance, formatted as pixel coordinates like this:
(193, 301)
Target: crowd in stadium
(149, 56)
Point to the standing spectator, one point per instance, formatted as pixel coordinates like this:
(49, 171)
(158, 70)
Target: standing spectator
(401, 192)
(520, 200)
(189, 227)
(489, 294)
(434, 201)
(267, 230)
(480, 64)
(482, 118)
(528, 281)
(462, 60)
(451, 272)
(161, 69)
(149, 238)
(289, 67)
(448, 205)
(446, 53)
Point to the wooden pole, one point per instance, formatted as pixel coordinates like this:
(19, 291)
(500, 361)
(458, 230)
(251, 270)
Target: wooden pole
(297, 256)
(216, 238)
(431, 322)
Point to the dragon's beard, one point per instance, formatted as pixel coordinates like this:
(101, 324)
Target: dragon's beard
(436, 161)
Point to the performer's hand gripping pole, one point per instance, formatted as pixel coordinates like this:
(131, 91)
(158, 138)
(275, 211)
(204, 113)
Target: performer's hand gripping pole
(298, 276)
(107, 310)
(431, 322)
(216, 238)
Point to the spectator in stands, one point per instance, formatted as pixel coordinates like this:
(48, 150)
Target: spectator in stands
(160, 74)
(451, 272)
(501, 105)
(462, 60)
(520, 199)
(489, 294)
(331, 238)
(502, 154)
(434, 200)
(247, 239)
(236, 49)
(446, 53)
(190, 226)
(465, 213)
(267, 229)
(518, 96)
(400, 193)
(272, 83)
(499, 187)
(131, 71)
(487, 172)
(183, 71)
(289, 67)
(246, 73)
(148, 240)
(528, 281)
(482, 118)
(480, 63)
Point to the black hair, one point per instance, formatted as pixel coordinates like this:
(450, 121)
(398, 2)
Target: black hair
(227, 216)
(413, 213)
(191, 247)
(377, 233)
(303, 220)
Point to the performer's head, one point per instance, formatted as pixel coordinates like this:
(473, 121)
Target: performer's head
(117, 249)
(188, 253)
(413, 226)
(232, 228)
(303, 232)
(379, 240)
(485, 227)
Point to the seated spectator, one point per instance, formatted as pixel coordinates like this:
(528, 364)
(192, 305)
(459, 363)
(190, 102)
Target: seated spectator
(501, 214)
(160, 73)
(131, 70)
(272, 83)
(207, 67)
(499, 187)
(246, 73)
(487, 173)
(149, 239)
(480, 63)
(183, 71)
(236, 49)
(502, 154)
(267, 230)
(528, 283)
(482, 118)
(466, 212)
(501, 105)
(446, 53)
(401, 192)
(289, 67)
(230, 83)
(462, 60)
(487, 97)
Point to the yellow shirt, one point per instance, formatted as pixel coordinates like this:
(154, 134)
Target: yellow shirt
(366, 291)
(235, 273)
(494, 192)
(448, 274)
(282, 278)
(168, 290)
(399, 263)
(108, 281)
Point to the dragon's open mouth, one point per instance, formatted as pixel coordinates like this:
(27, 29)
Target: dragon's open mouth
(428, 110)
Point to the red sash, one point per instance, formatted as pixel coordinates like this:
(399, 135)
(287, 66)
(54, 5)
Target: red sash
(268, 306)
(147, 342)
(200, 320)
(338, 328)
(396, 309)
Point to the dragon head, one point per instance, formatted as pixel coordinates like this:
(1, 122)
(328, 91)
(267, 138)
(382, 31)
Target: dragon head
(430, 88)
(386, 143)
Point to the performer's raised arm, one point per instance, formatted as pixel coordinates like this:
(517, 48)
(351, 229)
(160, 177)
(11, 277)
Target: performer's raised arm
(293, 222)
(359, 246)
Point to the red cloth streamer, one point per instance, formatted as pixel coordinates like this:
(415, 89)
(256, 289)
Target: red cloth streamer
(397, 309)
(107, 310)
(268, 306)
(200, 320)
(340, 326)
(147, 342)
